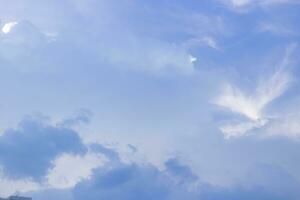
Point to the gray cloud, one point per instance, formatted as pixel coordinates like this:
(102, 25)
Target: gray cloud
(28, 150)
(134, 181)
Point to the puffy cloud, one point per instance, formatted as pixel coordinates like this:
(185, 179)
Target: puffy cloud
(28, 150)
(65, 175)
(9, 187)
(119, 180)
(124, 182)
(80, 62)
(109, 153)
(135, 181)
(181, 173)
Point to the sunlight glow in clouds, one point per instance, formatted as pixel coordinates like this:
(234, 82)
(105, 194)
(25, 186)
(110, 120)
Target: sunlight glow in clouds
(8, 27)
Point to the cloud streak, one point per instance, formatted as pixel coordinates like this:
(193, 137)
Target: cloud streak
(252, 105)
(242, 4)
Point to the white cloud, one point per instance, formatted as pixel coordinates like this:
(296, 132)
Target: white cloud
(252, 105)
(65, 175)
(8, 186)
(236, 101)
(244, 4)
(8, 27)
(192, 59)
(240, 129)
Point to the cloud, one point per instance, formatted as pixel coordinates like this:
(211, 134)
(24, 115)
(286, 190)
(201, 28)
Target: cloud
(40, 155)
(286, 125)
(238, 3)
(192, 59)
(252, 105)
(65, 175)
(152, 47)
(28, 150)
(130, 50)
(9, 187)
(144, 181)
(82, 116)
(109, 153)
(181, 173)
(176, 180)
(241, 5)
(203, 41)
(20, 42)
(275, 29)
(8, 26)
(240, 129)
(50, 194)
(124, 182)
(148, 55)
(101, 57)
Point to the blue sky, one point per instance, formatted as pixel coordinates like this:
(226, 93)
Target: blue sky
(164, 100)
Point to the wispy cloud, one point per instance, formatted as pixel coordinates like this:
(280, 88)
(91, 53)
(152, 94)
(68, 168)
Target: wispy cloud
(252, 105)
(208, 41)
(246, 4)
(275, 29)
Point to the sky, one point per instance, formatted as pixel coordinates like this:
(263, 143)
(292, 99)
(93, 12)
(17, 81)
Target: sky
(151, 100)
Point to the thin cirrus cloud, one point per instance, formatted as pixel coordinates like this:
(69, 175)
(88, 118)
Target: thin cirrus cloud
(207, 41)
(244, 4)
(252, 105)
